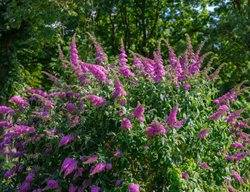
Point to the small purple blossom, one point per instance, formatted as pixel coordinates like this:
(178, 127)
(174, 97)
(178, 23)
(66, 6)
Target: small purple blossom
(118, 153)
(30, 177)
(6, 110)
(23, 129)
(109, 166)
(99, 72)
(155, 128)
(98, 168)
(119, 182)
(236, 176)
(52, 184)
(216, 115)
(72, 188)
(236, 157)
(186, 86)
(125, 71)
(90, 160)
(95, 188)
(126, 124)
(223, 108)
(228, 179)
(123, 102)
(66, 140)
(120, 112)
(203, 133)
(172, 119)
(138, 112)
(230, 188)
(97, 101)
(137, 62)
(204, 165)
(237, 145)
(4, 124)
(24, 187)
(148, 66)
(19, 101)
(9, 173)
(234, 115)
(133, 187)
(185, 175)
(70, 107)
(69, 165)
(172, 116)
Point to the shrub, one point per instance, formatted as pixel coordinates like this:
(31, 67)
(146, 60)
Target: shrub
(156, 125)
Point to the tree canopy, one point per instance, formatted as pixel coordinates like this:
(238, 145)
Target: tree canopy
(30, 31)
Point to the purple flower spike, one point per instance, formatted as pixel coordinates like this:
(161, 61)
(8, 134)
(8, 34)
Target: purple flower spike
(158, 67)
(133, 187)
(73, 52)
(119, 90)
(123, 56)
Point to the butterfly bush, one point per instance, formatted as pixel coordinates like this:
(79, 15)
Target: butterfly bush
(132, 124)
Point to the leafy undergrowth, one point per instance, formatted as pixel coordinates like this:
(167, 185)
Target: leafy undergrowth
(154, 125)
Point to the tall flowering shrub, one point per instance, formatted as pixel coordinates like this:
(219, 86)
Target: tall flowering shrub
(138, 124)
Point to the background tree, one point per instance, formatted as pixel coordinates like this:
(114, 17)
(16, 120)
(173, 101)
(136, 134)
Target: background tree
(30, 30)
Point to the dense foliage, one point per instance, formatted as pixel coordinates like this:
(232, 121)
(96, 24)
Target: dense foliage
(154, 125)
